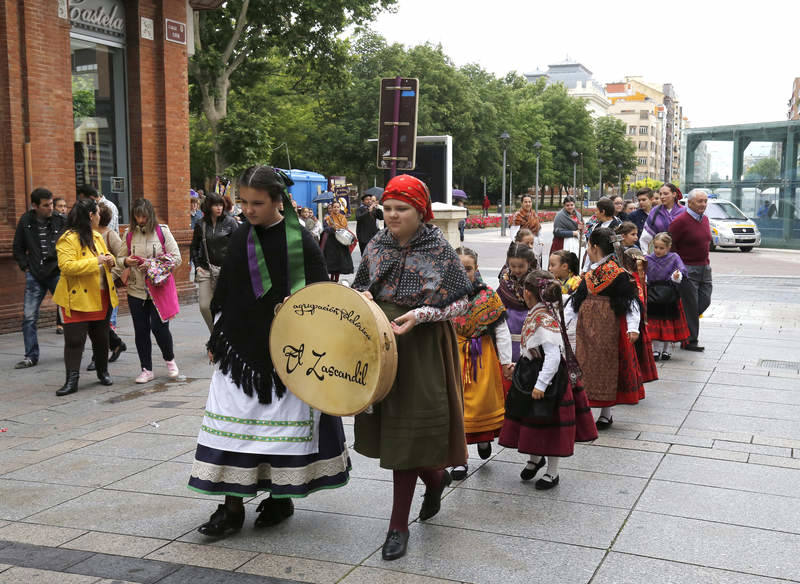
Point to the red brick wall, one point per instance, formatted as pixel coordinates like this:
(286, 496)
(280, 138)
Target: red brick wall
(36, 107)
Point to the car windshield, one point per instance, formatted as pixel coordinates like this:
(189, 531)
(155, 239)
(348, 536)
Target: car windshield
(723, 210)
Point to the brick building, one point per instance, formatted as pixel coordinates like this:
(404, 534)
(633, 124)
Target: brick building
(92, 91)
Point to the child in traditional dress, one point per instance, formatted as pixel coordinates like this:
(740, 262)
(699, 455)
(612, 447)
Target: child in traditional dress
(564, 266)
(629, 233)
(666, 322)
(525, 236)
(567, 418)
(484, 345)
(256, 435)
(520, 261)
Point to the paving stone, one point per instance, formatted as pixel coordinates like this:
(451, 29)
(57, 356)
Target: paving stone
(605, 440)
(774, 461)
(38, 534)
(626, 569)
(782, 442)
(488, 557)
(124, 568)
(374, 499)
(20, 499)
(731, 436)
(197, 575)
(575, 486)
(728, 547)
(740, 423)
(676, 439)
(367, 575)
(644, 414)
(166, 478)
(300, 569)
(4, 567)
(145, 446)
(202, 555)
(631, 426)
(730, 475)
(752, 381)
(18, 575)
(80, 470)
(116, 544)
(740, 407)
(367, 468)
(708, 452)
(773, 512)
(776, 396)
(111, 431)
(753, 448)
(547, 519)
(676, 374)
(182, 425)
(613, 460)
(157, 516)
(41, 557)
(657, 399)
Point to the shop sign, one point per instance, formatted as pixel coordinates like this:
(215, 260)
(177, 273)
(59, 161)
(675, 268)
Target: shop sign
(176, 31)
(103, 17)
(117, 184)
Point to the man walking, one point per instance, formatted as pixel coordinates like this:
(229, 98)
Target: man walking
(639, 216)
(35, 253)
(691, 237)
(367, 216)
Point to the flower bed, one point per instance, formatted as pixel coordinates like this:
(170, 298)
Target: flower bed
(477, 221)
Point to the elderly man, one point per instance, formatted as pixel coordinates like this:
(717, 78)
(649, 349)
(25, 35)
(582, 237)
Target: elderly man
(691, 236)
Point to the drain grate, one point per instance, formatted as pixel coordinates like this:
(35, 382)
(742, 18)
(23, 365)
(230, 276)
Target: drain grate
(767, 364)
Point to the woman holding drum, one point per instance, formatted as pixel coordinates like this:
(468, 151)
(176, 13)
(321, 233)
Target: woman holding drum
(418, 281)
(256, 435)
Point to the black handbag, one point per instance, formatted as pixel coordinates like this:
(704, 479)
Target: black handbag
(662, 293)
(519, 401)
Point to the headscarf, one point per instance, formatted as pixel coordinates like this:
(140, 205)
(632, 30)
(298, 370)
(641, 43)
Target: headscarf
(409, 189)
(511, 289)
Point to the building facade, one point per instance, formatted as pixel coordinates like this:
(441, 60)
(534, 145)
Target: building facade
(794, 101)
(580, 84)
(92, 91)
(644, 130)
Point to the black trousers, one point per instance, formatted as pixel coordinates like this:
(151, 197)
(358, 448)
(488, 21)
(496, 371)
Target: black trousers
(146, 320)
(75, 340)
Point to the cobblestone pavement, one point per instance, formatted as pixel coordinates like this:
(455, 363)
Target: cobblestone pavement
(698, 483)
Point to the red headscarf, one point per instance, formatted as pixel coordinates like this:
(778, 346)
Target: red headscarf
(411, 190)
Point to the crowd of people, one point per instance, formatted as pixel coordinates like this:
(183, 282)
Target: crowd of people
(523, 364)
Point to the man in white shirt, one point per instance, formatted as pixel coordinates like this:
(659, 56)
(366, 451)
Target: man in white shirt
(89, 192)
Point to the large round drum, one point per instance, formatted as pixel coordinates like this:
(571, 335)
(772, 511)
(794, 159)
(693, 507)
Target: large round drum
(334, 349)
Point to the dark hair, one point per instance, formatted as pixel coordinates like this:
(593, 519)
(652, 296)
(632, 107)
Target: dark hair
(87, 191)
(606, 205)
(143, 208)
(524, 232)
(209, 201)
(569, 258)
(627, 227)
(645, 191)
(602, 237)
(39, 195)
(465, 251)
(105, 214)
(522, 252)
(543, 286)
(568, 199)
(79, 221)
(57, 199)
(615, 197)
(526, 196)
(264, 178)
(675, 190)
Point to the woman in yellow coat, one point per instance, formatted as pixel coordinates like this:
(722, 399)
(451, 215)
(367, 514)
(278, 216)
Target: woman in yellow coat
(85, 294)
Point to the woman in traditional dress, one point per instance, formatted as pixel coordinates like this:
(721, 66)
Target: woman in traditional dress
(666, 322)
(337, 255)
(256, 435)
(608, 310)
(526, 217)
(567, 227)
(568, 418)
(418, 281)
(484, 344)
(662, 215)
(520, 261)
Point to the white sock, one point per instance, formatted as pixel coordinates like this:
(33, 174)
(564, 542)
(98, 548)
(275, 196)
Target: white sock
(667, 347)
(605, 413)
(533, 461)
(552, 466)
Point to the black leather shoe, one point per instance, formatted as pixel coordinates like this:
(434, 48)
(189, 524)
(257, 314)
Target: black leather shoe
(222, 522)
(694, 347)
(666, 356)
(459, 473)
(273, 511)
(91, 366)
(115, 352)
(432, 500)
(485, 451)
(395, 546)
(603, 423)
(656, 356)
(104, 378)
(543, 484)
(71, 385)
(528, 473)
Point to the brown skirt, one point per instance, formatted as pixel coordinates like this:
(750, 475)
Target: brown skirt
(597, 349)
(420, 424)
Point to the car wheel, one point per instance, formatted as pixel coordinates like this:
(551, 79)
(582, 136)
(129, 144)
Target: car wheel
(746, 249)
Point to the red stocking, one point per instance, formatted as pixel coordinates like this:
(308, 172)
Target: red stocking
(404, 482)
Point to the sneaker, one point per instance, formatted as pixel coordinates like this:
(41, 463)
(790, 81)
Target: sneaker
(145, 376)
(25, 363)
(172, 369)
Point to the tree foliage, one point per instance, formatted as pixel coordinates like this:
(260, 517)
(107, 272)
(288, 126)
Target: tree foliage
(764, 169)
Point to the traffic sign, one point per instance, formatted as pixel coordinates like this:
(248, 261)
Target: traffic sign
(397, 128)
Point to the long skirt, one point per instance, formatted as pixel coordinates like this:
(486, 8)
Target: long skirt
(556, 435)
(484, 399)
(644, 353)
(420, 423)
(285, 447)
(667, 322)
(337, 256)
(611, 373)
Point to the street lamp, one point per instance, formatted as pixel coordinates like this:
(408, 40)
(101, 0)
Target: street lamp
(600, 161)
(574, 170)
(504, 137)
(619, 172)
(538, 147)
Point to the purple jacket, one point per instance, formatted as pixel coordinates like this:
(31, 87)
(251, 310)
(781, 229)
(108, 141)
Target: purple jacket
(659, 218)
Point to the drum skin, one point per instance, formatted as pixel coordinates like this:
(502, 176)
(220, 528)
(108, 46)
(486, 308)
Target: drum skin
(334, 349)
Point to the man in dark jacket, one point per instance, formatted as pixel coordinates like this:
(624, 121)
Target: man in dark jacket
(367, 216)
(35, 253)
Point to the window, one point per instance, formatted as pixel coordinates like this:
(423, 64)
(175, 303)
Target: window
(644, 114)
(642, 161)
(642, 145)
(643, 130)
(632, 130)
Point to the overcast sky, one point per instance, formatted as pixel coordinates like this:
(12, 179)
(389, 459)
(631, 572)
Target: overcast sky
(729, 62)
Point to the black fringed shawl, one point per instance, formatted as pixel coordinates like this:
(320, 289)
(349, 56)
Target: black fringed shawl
(608, 279)
(239, 342)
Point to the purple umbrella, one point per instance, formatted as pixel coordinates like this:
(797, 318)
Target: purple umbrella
(459, 194)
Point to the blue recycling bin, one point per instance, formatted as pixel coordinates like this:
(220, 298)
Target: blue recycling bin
(305, 186)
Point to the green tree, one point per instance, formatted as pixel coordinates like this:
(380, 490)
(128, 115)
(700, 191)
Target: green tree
(647, 182)
(766, 168)
(614, 148)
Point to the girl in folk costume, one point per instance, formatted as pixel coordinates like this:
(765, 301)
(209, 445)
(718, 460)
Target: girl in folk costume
(337, 255)
(526, 237)
(666, 322)
(546, 410)
(484, 344)
(418, 281)
(633, 261)
(564, 267)
(608, 311)
(520, 261)
(256, 435)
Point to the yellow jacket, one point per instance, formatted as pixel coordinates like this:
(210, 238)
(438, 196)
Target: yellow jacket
(79, 285)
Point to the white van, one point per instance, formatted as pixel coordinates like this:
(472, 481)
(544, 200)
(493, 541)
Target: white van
(730, 227)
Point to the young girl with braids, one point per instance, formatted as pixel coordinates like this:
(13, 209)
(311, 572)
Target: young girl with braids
(520, 261)
(567, 418)
(484, 347)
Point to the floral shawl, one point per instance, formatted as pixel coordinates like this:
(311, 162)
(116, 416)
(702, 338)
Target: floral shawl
(541, 326)
(485, 312)
(527, 220)
(510, 290)
(603, 276)
(424, 272)
(338, 221)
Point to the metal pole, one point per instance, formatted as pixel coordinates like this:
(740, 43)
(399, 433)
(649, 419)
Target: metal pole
(395, 127)
(503, 198)
(601, 179)
(537, 184)
(574, 175)
(511, 190)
